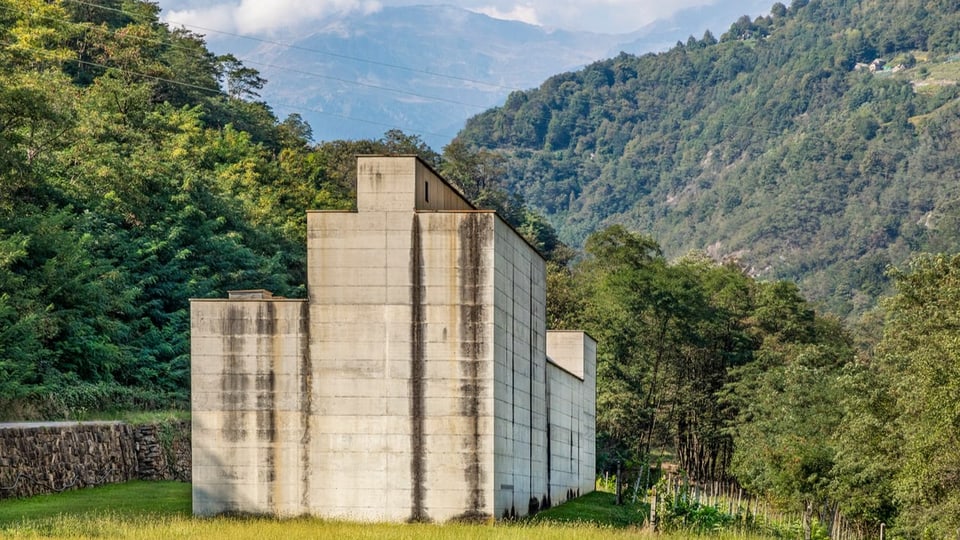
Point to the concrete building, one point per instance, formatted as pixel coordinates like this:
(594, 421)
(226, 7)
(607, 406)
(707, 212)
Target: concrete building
(416, 382)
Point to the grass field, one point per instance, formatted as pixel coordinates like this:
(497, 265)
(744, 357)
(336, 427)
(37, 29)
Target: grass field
(169, 499)
(155, 510)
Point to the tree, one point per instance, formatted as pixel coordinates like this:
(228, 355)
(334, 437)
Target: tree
(615, 278)
(868, 446)
(718, 342)
(919, 354)
(787, 403)
(475, 172)
(239, 81)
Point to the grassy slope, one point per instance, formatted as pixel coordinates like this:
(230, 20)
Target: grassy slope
(151, 510)
(596, 508)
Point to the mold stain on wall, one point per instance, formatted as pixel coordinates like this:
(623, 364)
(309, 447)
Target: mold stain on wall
(306, 383)
(475, 238)
(234, 382)
(266, 387)
(417, 368)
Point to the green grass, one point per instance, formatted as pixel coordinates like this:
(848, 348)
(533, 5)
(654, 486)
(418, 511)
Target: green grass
(141, 417)
(161, 510)
(129, 499)
(595, 508)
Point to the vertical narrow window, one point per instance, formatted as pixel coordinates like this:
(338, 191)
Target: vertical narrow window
(426, 192)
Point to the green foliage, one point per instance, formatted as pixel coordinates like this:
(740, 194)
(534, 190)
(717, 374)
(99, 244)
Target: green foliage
(766, 147)
(596, 508)
(673, 338)
(123, 193)
(788, 404)
(739, 378)
(679, 511)
(917, 376)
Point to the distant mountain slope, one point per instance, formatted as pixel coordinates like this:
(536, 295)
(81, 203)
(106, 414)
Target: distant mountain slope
(770, 147)
(343, 98)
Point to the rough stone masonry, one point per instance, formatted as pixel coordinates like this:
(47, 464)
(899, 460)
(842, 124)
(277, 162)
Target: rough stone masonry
(417, 382)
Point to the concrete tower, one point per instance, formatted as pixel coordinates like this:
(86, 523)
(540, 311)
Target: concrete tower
(414, 382)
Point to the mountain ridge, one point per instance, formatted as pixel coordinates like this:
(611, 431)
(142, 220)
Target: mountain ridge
(768, 146)
(482, 60)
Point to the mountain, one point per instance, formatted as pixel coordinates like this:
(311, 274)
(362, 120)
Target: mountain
(777, 145)
(426, 69)
(663, 34)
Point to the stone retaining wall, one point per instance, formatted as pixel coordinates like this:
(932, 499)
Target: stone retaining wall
(56, 456)
(163, 451)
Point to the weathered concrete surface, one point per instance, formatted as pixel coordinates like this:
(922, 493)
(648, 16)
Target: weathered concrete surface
(571, 391)
(423, 366)
(249, 380)
(400, 305)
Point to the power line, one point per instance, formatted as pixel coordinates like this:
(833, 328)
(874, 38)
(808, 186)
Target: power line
(274, 103)
(310, 50)
(292, 70)
(368, 85)
(220, 92)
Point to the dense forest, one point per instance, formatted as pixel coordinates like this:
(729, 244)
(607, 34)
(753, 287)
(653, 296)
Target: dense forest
(774, 144)
(138, 170)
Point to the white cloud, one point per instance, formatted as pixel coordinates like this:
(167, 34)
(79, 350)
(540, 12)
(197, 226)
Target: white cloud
(219, 17)
(525, 13)
(258, 17)
(274, 16)
(607, 16)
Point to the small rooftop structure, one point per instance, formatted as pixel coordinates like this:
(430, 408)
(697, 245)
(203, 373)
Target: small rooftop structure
(252, 294)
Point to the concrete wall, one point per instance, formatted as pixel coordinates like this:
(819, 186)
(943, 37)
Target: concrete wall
(403, 184)
(249, 380)
(423, 367)
(571, 408)
(456, 262)
(401, 319)
(520, 484)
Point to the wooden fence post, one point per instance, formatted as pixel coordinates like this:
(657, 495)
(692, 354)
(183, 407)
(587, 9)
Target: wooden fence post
(619, 485)
(653, 508)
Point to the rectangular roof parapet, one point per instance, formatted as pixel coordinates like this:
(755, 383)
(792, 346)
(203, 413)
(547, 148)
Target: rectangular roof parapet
(251, 294)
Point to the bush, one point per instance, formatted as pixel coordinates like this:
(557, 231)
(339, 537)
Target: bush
(71, 399)
(678, 511)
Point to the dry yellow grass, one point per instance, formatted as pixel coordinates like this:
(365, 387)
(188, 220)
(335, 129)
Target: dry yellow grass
(168, 527)
(161, 510)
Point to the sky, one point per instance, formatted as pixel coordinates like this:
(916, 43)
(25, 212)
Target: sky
(271, 17)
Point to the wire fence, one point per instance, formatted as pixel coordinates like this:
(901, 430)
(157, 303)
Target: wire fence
(675, 500)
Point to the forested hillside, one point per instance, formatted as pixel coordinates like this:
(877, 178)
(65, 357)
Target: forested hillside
(138, 170)
(130, 183)
(768, 145)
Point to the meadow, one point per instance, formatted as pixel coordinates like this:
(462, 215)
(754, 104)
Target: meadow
(161, 510)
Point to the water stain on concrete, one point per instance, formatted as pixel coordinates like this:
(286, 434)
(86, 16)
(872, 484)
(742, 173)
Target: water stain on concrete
(306, 394)
(234, 382)
(418, 449)
(475, 237)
